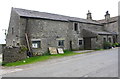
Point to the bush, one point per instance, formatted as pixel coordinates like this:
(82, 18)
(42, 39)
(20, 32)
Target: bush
(115, 44)
(118, 44)
(107, 45)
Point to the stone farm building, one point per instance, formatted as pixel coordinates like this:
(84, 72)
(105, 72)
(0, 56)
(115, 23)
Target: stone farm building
(41, 30)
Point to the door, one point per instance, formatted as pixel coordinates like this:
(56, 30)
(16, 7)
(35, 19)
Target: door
(87, 43)
(70, 45)
(114, 39)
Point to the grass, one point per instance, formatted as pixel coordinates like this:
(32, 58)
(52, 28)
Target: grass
(41, 58)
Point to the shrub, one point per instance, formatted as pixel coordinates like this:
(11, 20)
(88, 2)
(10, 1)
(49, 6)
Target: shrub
(107, 45)
(115, 44)
(23, 48)
(118, 44)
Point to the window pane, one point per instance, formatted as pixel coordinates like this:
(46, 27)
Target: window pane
(36, 44)
(61, 43)
(80, 42)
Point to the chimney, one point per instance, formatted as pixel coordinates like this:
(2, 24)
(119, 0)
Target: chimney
(107, 16)
(89, 16)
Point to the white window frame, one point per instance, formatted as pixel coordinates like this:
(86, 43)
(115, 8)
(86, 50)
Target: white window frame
(63, 43)
(36, 45)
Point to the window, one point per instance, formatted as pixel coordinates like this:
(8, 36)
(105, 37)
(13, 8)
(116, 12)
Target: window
(61, 43)
(80, 42)
(36, 44)
(110, 40)
(76, 26)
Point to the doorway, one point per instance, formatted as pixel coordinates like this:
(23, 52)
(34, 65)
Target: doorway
(70, 45)
(87, 43)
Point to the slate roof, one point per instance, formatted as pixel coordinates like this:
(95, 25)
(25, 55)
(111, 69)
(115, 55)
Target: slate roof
(44, 15)
(112, 19)
(94, 33)
(101, 32)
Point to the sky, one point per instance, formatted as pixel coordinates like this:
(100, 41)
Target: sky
(74, 8)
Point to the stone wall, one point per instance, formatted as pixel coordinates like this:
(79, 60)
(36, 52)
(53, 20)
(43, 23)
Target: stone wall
(91, 26)
(119, 29)
(13, 54)
(47, 31)
(111, 27)
(1, 48)
(97, 42)
(12, 37)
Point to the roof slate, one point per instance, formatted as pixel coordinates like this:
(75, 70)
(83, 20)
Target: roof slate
(101, 32)
(45, 15)
(112, 19)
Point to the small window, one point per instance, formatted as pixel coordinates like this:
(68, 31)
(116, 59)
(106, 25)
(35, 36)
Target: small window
(76, 26)
(110, 40)
(80, 42)
(61, 43)
(36, 44)
(12, 30)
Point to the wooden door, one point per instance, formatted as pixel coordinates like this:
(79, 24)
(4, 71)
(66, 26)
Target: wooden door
(70, 45)
(87, 43)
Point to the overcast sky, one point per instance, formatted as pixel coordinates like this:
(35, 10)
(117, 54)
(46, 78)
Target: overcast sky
(75, 8)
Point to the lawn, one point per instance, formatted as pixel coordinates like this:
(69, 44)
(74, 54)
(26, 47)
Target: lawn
(41, 58)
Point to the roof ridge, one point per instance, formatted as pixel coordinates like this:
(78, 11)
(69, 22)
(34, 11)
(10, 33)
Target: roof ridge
(49, 13)
(46, 15)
